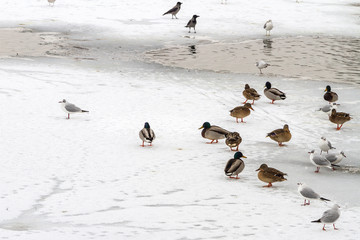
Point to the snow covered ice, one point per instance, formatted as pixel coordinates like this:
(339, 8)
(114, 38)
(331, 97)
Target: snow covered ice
(88, 178)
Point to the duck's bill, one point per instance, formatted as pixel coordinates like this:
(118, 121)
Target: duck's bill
(257, 169)
(244, 156)
(252, 108)
(201, 127)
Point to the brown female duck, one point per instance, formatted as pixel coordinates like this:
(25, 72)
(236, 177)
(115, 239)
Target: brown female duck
(250, 94)
(339, 118)
(241, 112)
(233, 139)
(280, 135)
(270, 175)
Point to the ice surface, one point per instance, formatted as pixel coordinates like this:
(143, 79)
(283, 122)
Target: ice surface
(88, 178)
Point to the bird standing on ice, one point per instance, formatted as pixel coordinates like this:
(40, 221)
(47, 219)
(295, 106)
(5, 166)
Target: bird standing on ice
(270, 175)
(174, 10)
(250, 94)
(212, 132)
(268, 26)
(261, 64)
(329, 95)
(147, 134)
(280, 135)
(339, 118)
(273, 93)
(325, 145)
(308, 194)
(335, 158)
(192, 23)
(51, 2)
(70, 108)
(319, 161)
(329, 217)
(235, 165)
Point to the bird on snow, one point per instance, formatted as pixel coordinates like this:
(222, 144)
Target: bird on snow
(319, 161)
(241, 112)
(147, 135)
(339, 118)
(214, 133)
(70, 108)
(235, 165)
(308, 194)
(270, 175)
(233, 139)
(328, 107)
(325, 145)
(250, 94)
(273, 93)
(51, 2)
(280, 135)
(192, 23)
(174, 10)
(329, 217)
(335, 158)
(261, 64)
(268, 26)
(329, 95)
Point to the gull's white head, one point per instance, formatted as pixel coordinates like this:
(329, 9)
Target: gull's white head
(63, 101)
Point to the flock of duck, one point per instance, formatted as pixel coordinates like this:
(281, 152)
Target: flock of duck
(266, 174)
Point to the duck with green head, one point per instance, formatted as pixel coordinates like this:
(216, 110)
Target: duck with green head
(147, 135)
(212, 132)
(235, 165)
(329, 95)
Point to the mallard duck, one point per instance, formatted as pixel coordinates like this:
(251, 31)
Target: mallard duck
(270, 175)
(319, 161)
(280, 135)
(273, 93)
(235, 165)
(147, 135)
(70, 108)
(233, 139)
(241, 112)
(214, 133)
(329, 95)
(339, 118)
(250, 94)
(261, 64)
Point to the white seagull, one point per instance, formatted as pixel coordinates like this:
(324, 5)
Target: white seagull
(261, 64)
(335, 158)
(308, 194)
(319, 161)
(329, 216)
(325, 145)
(70, 108)
(328, 107)
(268, 26)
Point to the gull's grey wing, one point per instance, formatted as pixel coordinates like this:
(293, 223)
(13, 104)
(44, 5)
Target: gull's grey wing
(331, 157)
(330, 216)
(72, 108)
(329, 144)
(309, 193)
(321, 161)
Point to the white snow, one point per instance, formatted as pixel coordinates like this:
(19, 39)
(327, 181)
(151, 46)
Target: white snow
(88, 178)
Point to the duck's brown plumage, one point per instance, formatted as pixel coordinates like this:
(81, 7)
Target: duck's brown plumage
(233, 139)
(280, 135)
(270, 175)
(250, 94)
(339, 118)
(241, 111)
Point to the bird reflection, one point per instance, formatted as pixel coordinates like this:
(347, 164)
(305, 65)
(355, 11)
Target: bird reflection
(192, 49)
(267, 43)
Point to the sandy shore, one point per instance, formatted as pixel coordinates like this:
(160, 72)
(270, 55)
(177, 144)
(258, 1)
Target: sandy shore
(317, 58)
(24, 42)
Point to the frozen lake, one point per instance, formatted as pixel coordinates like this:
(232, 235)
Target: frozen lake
(88, 178)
